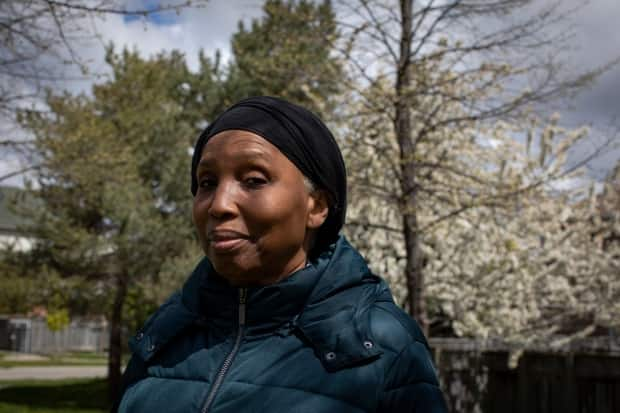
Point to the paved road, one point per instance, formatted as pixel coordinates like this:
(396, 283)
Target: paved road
(50, 373)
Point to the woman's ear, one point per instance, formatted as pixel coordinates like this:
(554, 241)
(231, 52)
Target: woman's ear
(318, 208)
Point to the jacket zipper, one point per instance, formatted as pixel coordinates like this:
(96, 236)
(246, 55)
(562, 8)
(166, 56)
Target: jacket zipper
(231, 355)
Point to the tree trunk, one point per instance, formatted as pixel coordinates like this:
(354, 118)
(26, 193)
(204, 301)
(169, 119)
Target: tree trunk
(115, 347)
(402, 126)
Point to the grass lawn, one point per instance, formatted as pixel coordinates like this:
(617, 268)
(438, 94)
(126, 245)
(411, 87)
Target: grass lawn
(54, 396)
(64, 359)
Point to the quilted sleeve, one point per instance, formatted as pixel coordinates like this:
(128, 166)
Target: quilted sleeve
(411, 383)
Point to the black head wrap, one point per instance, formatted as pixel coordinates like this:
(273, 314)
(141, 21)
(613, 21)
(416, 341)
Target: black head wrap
(302, 137)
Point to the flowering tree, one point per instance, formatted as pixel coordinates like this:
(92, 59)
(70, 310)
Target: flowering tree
(536, 272)
(430, 82)
(505, 252)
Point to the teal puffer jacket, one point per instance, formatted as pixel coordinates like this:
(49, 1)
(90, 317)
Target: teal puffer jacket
(327, 339)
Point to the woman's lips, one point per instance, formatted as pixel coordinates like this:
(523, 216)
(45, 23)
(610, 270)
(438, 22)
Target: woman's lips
(224, 241)
(226, 245)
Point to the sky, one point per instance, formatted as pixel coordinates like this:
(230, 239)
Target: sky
(597, 39)
(596, 42)
(206, 28)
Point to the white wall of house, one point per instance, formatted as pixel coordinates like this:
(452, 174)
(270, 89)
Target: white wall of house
(16, 242)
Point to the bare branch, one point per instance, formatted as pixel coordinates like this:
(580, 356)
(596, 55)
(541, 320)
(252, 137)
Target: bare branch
(19, 172)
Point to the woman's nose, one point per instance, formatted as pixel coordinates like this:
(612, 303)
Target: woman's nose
(224, 201)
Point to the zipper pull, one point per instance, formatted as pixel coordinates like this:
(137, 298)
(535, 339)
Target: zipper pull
(243, 293)
(289, 328)
(293, 325)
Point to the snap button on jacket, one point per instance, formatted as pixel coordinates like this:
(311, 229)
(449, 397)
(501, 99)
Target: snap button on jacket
(329, 338)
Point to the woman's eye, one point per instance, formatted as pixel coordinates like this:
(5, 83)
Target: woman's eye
(254, 181)
(207, 183)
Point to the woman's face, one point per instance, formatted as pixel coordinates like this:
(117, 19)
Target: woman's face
(253, 212)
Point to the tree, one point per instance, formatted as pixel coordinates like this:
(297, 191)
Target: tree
(38, 40)
(429, 82)
(114, 168)
(287, 53)
(113, 185)
(522, 260)
(35, 31)
(534, 273)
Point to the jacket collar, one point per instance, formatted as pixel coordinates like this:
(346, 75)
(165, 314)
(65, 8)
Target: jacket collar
(335, 319)
(327, 303)
(268, 308)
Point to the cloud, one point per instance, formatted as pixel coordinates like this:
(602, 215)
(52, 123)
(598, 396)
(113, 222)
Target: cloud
(208, 28)
(579, 185)
(603, 147)
(9, 165)
(597, 36)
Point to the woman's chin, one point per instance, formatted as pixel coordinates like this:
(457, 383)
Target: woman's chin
(235, 273)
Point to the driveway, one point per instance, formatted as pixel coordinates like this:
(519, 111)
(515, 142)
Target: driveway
(52, 372)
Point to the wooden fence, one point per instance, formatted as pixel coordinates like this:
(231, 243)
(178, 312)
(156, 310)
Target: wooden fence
(475, 379)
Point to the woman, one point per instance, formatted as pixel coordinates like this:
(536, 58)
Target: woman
(282, 315)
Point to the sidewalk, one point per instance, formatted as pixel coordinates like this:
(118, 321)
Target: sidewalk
(52, 372)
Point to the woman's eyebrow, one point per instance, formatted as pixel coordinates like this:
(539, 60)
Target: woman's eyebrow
(246, 154)
(204, 162)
